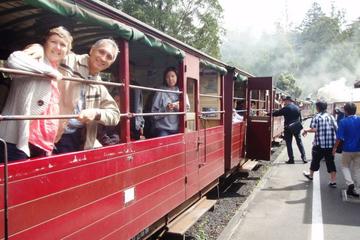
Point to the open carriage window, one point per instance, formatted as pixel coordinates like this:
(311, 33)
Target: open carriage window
(191, 112)
(259, 104)
(239, 101)
(210, 96)
(150, 68)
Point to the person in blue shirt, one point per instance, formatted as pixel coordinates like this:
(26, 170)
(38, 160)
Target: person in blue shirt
(349, 134)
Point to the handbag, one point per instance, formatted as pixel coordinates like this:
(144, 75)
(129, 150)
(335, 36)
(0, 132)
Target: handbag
(295, 127)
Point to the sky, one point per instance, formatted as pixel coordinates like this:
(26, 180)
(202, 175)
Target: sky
(258, 16)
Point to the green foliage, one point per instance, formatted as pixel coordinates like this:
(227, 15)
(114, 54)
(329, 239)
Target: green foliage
(321, 49)
(287, 83)
(195, 22)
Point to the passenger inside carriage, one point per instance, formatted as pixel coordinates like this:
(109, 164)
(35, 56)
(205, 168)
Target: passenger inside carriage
(34, 96)
(164, 125)
(110, 135)
(93, 103)
(235, 116)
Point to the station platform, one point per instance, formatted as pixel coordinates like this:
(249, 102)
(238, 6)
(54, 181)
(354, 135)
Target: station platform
(287, 206)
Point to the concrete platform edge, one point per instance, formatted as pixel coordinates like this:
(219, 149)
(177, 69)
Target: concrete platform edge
(235, 221)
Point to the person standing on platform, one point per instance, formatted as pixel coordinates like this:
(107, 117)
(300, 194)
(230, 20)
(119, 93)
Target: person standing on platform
(349, 134)
(291, 113)
(324, 126)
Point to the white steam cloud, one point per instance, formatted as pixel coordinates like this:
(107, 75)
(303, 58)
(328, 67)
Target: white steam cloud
(338, 91)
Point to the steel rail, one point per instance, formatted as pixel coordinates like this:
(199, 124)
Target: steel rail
(212, 112)
(81, 80)
(73, 79)
(157, 114)
(210, 96)
(40, 117)
(257, 100)
(238, 98)
(154, 89)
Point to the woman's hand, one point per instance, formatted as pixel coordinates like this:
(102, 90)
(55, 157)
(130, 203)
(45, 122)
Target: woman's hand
(170, 107)
(54, 75)
(35, 51)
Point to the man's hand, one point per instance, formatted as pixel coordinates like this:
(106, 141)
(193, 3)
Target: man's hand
(88, 115)
(35, 51)
(334, 150)
(304, 133)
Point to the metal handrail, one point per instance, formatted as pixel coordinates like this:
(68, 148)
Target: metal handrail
(40, 117)
(157, 114)
(207, 112)
(155, 89)
(257, 100)
(264, 109)
(238, 98)
(210, 96)
(85, 81)
(239, 111)
(73, 79)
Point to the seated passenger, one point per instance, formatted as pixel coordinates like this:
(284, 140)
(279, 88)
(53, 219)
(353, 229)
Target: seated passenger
(236, 117)
(167, 102)
(34, 96)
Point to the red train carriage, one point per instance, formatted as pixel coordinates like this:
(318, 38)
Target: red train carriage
(235, 90)
(307, 109)
(132, 188)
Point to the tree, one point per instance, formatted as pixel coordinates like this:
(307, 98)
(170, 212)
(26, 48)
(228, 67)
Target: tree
(317, 33)
(195, 22)
(287, 83)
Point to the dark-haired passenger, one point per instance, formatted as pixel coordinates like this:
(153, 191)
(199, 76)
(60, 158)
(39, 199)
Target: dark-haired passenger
(349, 134)
(324, 126)
(167, 102)
(35, 96)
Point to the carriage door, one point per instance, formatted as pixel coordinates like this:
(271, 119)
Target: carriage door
(193, 143)
(258, 136)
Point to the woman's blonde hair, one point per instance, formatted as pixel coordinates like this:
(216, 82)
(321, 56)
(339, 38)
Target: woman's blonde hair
(63, 33)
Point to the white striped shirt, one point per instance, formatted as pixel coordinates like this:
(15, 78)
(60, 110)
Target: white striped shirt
(325, 135)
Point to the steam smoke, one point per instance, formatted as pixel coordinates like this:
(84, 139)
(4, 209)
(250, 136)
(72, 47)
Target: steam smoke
(338, 91)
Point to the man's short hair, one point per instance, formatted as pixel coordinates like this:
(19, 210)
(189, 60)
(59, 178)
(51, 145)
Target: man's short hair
(350, 108)
(321, 105)
(109, 41)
